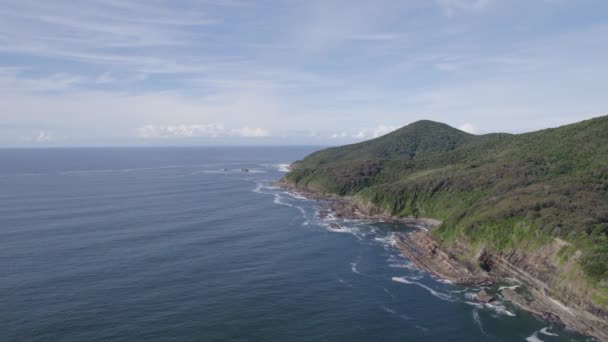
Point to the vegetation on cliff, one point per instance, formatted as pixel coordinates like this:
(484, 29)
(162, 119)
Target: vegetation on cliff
(500, 190)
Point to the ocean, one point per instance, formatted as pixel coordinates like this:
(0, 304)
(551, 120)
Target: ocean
(180, 244)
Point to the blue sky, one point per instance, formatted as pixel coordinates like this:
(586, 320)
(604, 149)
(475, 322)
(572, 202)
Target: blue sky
(114, 72)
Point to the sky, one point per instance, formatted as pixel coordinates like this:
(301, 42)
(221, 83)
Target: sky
(284, 72)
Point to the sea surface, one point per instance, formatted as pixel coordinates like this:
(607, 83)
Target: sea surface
(179, 244)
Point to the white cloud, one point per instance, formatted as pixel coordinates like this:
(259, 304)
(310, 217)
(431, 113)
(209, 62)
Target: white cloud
(382, 130)
(339, 135)
(467, 127)
(364, 134)
(214, 130)
(181, 131)
(248, 132)
(97, 32)
(42, 137)
(97, 71)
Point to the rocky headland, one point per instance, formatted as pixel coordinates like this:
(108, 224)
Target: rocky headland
(527, 276)
(523, 209)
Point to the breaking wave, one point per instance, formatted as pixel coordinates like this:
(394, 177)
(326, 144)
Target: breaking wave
(389, 310)
(284, 167)
(437, 294)
(353, 267)
(534, 337)
(545, 331)
(477, 321)
(278, 199)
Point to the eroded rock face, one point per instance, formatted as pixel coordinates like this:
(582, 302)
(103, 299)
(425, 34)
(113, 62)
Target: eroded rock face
(427, 253)
(544, 295)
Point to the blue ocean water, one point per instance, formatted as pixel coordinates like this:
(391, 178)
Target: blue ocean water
(159, 244)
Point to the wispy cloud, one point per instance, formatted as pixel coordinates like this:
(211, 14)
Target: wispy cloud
(215, 130)
(103, 32)
(363, 134)
(12, 79)
(450, 7)
(104, 69)
(383, 36)
(42, 137)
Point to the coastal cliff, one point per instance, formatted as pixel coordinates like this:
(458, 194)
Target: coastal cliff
(528, 210)
(538, 287)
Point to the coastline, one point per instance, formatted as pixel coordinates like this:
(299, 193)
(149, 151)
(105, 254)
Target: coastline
(345, 207)
(529, 289)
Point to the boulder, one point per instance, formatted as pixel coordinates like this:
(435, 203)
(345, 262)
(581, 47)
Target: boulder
(484, 297)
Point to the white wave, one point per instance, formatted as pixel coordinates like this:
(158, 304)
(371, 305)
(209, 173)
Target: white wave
(495, 306)
(306, 222)
(389, 240)
(281, 167)
(402, 265)
(278, 199)
(284, 167)
(470, 295)
(514, 287)
(353, 267)
(477, 305)
(534, 337)
(415, 277)
(388, 293)
(258, 188)
(345, 282)
(477, 321)
(439, 295)
(341, 229)
(444, 281)
(499, 308)
(459, 291)
(422, 328)
(545, 331)
(264, 186)
(254, 171)
(296, 195)
(329, 216)
(389, 310)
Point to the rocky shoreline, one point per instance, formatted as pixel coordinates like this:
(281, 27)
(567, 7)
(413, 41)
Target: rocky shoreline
(346, 208)
(530, 272)
(531, 293)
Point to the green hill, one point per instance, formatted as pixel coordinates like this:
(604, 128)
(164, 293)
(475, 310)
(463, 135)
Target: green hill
(500, 190)
(410, 142)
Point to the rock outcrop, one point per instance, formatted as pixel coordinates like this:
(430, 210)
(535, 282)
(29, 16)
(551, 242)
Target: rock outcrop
(541, 292)
(484, 297)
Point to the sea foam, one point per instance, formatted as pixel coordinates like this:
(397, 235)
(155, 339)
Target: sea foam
(534, 337)
(437, 294)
